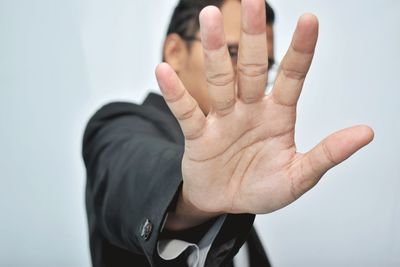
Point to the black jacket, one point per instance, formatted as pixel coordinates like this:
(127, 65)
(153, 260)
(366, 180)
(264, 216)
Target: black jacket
(133, 159)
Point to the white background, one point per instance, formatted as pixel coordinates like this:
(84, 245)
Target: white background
(60, 60)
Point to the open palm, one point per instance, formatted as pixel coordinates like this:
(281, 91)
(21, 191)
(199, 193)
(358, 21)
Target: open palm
(241, 157)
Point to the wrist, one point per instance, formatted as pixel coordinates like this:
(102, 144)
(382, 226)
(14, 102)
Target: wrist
(186, 215)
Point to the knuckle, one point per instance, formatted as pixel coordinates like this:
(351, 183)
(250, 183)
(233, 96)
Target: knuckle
(253, 69)
(224, 106)
(176, 98)
(328, 154)
(293, 73)
(195, 131)
(221, 79)
(188, 113)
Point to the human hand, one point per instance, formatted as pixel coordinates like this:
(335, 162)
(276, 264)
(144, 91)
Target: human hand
(242, 157)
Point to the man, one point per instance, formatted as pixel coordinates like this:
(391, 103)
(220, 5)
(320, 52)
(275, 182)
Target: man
(156, 197)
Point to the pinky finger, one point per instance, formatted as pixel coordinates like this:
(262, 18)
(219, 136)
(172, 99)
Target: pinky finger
(182, 105)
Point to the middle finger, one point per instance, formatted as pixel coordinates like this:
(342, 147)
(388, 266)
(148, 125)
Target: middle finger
(253, 52)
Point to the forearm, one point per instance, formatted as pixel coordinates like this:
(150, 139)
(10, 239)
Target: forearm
(132, 179)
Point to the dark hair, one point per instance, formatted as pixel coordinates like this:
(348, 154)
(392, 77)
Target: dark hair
(185, 22)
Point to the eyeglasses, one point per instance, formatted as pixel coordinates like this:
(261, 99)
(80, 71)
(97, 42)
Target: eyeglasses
(233, 50)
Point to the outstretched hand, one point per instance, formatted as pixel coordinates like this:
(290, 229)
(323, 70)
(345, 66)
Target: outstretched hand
(242, 157)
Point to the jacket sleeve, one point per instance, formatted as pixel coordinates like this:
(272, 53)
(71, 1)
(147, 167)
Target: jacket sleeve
(133, 176)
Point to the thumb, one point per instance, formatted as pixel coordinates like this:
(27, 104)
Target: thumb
(328, 153)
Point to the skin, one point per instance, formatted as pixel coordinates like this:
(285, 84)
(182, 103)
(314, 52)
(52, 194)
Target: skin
(240, 154)
(189, 63)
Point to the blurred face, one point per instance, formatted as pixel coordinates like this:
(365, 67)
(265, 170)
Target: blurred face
(191, 65)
